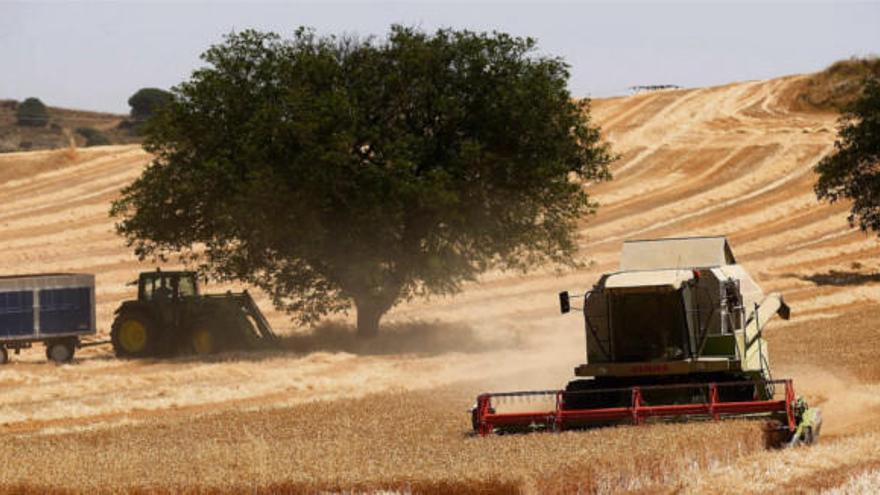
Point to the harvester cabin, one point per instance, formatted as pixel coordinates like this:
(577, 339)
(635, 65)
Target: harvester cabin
(673, 299)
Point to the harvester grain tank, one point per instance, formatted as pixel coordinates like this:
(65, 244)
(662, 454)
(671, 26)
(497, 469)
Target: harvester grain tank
(675, 334)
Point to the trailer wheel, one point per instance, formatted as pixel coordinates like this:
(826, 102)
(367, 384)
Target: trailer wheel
(4, 355)
(60, 351)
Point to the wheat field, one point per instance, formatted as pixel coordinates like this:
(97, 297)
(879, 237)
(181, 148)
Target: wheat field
(326, 413)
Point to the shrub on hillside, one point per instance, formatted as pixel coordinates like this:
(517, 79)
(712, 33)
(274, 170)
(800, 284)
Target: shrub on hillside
(32, 113)
(93, 136)
(147, 101)
(840, 84)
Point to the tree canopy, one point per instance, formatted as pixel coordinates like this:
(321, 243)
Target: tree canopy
(852, 170)
(147, 101)
(32, 113)
(332, 171)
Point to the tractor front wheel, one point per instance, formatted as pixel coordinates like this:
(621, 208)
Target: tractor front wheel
(204, 338)
(203, 341)
(133, 334)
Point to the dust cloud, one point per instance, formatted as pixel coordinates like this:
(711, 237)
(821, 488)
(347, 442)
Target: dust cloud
(849, 405)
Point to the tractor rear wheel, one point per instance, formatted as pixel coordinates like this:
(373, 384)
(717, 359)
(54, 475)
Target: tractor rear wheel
(134, 334)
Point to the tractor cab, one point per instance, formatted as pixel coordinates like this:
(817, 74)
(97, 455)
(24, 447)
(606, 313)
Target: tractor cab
(161, 285)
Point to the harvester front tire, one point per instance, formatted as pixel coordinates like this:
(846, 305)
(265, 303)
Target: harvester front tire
(134, 335)
(808, 436)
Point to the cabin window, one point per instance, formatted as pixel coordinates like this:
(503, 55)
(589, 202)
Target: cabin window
(648, 325)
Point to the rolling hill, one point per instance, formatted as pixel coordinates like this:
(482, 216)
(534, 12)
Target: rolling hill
(732, 160)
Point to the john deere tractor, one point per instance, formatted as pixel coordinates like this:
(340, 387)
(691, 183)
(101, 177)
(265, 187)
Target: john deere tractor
(170, 317)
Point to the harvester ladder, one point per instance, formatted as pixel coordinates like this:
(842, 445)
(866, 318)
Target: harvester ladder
(762, 357)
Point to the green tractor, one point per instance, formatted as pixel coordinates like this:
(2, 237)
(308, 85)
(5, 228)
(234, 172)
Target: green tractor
(170, 317)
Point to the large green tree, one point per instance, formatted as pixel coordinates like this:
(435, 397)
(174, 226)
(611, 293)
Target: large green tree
(852, 170)
(333, 171)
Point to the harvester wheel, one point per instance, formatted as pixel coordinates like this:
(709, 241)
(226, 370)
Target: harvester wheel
(4, 355)
(808, 436)
(134, 335)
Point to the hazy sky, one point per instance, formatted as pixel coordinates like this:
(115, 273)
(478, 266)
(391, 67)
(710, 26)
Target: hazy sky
(95, 55)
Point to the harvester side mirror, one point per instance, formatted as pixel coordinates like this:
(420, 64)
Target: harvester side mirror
(784, 311)
(564, 302)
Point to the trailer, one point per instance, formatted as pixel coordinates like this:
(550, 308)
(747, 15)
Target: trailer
(55, 309)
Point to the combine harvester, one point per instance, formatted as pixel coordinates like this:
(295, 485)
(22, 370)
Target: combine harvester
(675, 335)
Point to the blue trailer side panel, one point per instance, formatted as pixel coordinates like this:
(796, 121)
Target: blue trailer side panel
(16, 313)
(46, 306)
(65, 310)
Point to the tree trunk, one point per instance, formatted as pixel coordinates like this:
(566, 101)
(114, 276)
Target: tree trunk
(369, 312)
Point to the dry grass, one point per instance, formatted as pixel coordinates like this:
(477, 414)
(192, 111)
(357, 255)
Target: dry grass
(415, 442)
(846, 343)
(824, 466)
(839, 85)
(864, 483)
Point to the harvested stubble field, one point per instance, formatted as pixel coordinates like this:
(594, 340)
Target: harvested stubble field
(327, 413)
